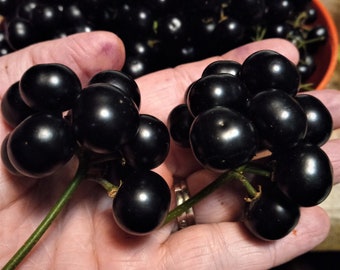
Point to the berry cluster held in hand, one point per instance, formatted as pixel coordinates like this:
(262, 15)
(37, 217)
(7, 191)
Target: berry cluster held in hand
(231, 113)
(163, 33)
(53, 118)
(235, 111)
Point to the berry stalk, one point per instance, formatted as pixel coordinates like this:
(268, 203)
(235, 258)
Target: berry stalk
(18, 257)
(236, 174)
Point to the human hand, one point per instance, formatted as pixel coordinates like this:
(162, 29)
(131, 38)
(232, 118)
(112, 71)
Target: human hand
(85, 236)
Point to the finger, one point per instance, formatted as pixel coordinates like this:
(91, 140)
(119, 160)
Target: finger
(331, 99)
(228, 245)
(85, 53)
(226, 202)
(167, 87)
(332, 150)
(223, 204)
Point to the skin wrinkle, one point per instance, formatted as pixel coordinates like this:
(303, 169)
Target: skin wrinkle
(75, 55)
(92, 239)
(183, 78)
(44, 245)
(303, 228)
(77, 50)
(18, 70)
(173, 251)
(239, 247)
(166, 260)
(24, 224)
(49, 239)
(20, 199)
(50, 258)
(76, 240)
(213, 245)
(77, 65)
(271, 252)
(244, 252)
(222, 245)
(242, 249)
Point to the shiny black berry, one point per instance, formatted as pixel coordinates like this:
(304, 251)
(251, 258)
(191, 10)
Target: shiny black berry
(272, 216)
(319, 119)
(121, 80)
(150, 147)
(40, 145)
(222, 139)
(268, 69)
(278, 117)
(141, 203)
(304, 173)
(217, 90)
(49, 87)
(179, 122)
(13, 108)
(104, 119)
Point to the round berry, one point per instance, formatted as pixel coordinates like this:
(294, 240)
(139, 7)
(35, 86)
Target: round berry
(278, 117)
(222, 139)
(104, 119)
(141, 203)
(304, 173)
(40, 145)
(272, 215)
(268, 69)
(49, 87)
(13, 108)
(150, 147)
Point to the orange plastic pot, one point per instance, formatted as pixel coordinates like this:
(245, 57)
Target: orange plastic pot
(327, 56)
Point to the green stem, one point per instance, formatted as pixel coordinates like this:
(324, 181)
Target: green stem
(300, 20)
(257, 171)
(110, 188)
(237, 174)
(180, 209)
(260, 33)
(252, 192)
(49, 218)
(307, 87)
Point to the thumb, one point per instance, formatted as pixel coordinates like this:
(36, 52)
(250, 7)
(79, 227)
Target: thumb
(85, 53)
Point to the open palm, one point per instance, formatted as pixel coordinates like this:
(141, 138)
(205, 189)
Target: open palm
(85, 236)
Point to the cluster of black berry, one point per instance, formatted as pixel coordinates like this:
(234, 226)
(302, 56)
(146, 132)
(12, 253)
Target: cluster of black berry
(232, 112)
(163, 33)
(237, 110)
(53, 119)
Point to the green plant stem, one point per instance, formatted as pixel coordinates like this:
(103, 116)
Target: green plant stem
(236, 174)
(252, 192)
(260, 33)
(110, 188)
(218, 182)
(257, 171)
(300, 20)
(49, 218)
